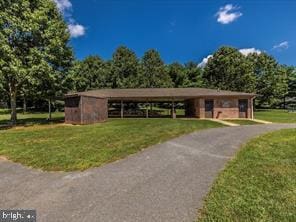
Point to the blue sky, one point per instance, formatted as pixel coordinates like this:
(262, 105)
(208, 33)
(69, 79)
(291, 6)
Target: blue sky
(182, 30)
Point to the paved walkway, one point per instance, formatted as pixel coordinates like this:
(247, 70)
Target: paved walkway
(166, 182)
(224, 122)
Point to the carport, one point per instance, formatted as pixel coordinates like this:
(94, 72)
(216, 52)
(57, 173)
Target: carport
(95, 105)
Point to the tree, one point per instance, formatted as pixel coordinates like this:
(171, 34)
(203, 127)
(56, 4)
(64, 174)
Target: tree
(271, 79)
(194, 75)
(3, 94)
(178, 75)
(228, 69)
(153, 73)
(124, 68)
(291, 75)
(91, 73)
(34, 46)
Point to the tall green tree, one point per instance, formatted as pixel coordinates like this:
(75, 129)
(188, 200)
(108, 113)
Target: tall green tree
(91, 73)
(34, 46)
(291, 75)
(124, 68)
(153, 72)
(228, 69)
(271, 79)
(178, 75)
(3, 92)
(194, 75)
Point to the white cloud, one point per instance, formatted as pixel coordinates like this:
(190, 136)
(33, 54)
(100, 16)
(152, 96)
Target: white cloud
(63, 5)
(228, 14)
(248, 51)
(204, 61)
(245, 52)
(282, 45)
(173, 23)
(76, 30)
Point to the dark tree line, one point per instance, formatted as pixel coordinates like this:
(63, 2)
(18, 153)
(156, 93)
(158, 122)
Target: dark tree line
(37, 65)
(228, 69)
(125, 70)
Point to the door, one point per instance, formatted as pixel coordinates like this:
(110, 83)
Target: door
(243, 108)
(209, 108)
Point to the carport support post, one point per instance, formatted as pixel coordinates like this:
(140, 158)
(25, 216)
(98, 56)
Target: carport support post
(173, 109)
(121, 109)
(252, 108)
(147, 114)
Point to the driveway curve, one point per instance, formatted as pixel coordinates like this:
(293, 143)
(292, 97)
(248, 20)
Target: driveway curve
(166, 182)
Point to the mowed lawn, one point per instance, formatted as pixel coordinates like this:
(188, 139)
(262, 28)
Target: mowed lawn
(66, 147)
(259, 184)
(31, 118)
(276, 116)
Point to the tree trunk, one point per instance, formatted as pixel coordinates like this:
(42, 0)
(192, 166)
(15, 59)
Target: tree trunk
(49, 109)
(12, 92)
(24, 105)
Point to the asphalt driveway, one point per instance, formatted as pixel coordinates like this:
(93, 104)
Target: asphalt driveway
(166, 182)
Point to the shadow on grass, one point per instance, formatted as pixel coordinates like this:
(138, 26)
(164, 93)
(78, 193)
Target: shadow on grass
(6, 124)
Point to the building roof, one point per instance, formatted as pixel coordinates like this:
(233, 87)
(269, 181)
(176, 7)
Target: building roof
(163, 93)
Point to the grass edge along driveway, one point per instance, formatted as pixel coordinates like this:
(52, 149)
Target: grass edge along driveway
(259, 184)
(68, 148)
(275, 115)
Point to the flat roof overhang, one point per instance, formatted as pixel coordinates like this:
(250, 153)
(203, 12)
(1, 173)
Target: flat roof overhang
(161, 99)
(159, 94)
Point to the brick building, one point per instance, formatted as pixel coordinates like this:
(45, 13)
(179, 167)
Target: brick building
(92, 106)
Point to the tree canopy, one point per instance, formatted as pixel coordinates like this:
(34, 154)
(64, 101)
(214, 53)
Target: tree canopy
(124, 68)
(153, 71)
(194, 75)
(34, 46)
(228, 69)
(90, 73)
(271, 78)
(291, 75)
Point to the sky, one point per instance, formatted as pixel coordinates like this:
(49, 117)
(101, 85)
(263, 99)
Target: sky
(182, 31)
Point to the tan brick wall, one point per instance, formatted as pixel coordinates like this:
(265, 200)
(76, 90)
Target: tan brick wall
(72, 110)
(85, 110)
(93, 110)
(250, 106)
(201, 108)
(224, 108)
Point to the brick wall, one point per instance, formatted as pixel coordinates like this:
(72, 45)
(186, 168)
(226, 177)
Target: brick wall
(201, 108)
(85, 110)
(224, 108)
(72, 110)
(93, 110)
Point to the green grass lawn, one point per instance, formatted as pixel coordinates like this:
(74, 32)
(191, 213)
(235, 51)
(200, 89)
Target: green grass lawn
(259, 184)
(241, 121)
(276, 116)
(66, 147)
(31, 118)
